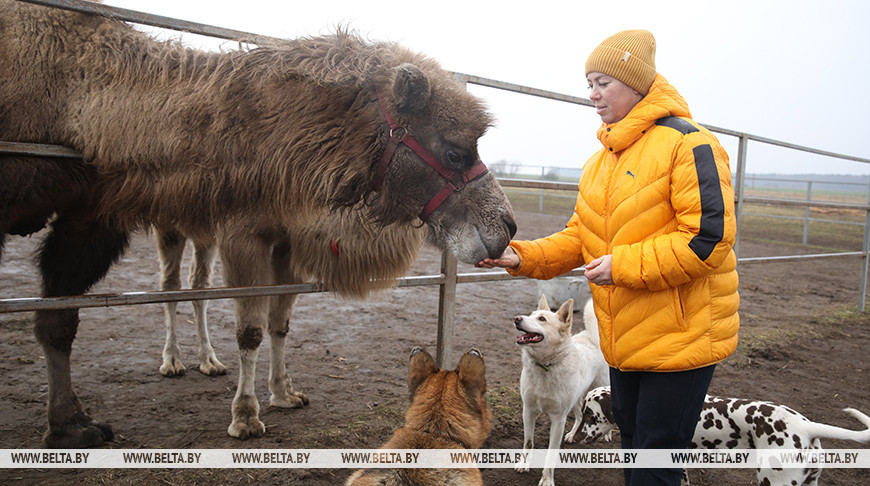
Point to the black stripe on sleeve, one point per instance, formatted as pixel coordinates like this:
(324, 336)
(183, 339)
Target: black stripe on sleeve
(677, 124)
(712, 205)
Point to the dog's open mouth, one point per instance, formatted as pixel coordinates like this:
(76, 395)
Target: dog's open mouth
(531, 337)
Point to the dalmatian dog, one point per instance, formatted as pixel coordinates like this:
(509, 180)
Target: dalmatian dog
(736, 423)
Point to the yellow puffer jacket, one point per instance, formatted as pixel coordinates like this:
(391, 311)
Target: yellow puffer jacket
(658, 197)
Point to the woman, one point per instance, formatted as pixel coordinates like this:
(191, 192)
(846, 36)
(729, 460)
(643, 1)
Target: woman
(654, 224)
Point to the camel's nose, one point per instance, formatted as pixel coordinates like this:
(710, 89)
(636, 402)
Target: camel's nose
(511, 224)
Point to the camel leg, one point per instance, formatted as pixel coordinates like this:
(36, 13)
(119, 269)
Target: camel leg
(245, 260)
(170, 249)
(281, 307)
(201, 269)
(75, 255)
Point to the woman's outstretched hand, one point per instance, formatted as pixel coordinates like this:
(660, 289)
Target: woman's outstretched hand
(508, 259)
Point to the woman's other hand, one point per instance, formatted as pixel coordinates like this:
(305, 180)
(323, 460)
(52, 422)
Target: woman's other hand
(599, 271)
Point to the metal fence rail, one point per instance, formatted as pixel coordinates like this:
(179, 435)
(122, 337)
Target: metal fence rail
(448, 278)
(25, 304)
(126, 15)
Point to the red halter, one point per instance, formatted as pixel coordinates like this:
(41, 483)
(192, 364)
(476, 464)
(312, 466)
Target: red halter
(455, 181)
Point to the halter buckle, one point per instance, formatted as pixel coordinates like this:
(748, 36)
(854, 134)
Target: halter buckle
(393, 131)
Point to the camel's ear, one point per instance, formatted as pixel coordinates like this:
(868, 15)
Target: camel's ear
(411, 89)
(472, 372)
(422, 365)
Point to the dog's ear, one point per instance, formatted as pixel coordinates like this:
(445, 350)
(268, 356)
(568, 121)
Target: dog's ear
(472, 372)
(542, 303)
(566, 312)
(421, 366)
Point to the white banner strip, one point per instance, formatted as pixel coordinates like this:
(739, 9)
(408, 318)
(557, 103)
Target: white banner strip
(432, 458)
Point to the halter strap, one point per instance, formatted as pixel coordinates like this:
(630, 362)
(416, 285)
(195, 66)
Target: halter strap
(399, 135)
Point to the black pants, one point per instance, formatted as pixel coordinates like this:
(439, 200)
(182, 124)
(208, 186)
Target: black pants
(657, 411)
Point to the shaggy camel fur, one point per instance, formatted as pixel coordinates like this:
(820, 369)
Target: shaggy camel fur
(273, 154)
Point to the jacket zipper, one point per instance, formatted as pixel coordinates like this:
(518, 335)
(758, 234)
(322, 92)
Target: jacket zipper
(612, 160)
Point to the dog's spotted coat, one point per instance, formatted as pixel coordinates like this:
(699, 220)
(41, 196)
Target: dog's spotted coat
(736, 423)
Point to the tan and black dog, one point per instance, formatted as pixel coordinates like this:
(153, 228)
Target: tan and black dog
(448, 411)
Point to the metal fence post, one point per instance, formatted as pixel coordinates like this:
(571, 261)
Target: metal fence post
(807, 212)
(447, 294)
(740, 188)
(865, 260)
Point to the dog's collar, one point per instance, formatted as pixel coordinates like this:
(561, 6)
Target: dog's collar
(545, 367)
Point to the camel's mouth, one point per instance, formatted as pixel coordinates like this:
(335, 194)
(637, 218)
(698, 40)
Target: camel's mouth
(528, 338)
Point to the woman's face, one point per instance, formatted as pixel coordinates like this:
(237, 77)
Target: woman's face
(613, 99)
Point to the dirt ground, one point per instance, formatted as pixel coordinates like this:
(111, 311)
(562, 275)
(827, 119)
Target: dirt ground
(802, 345)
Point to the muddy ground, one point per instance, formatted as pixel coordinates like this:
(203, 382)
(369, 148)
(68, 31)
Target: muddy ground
(802, 345)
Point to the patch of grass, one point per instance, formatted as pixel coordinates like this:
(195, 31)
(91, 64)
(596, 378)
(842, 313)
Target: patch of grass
(820, 248)
(762, 223)
(531, 200)
(504, 401)
(359, 431)
(820, 235)
(843, 313)
(773, 343)
(767, 344)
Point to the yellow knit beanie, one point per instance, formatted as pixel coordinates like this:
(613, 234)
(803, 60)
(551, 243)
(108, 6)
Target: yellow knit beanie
(629, 56)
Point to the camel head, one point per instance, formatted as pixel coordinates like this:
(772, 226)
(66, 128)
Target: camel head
(432, 171)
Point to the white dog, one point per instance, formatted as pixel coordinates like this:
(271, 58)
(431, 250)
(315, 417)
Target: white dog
(736, 423)
(558, 370)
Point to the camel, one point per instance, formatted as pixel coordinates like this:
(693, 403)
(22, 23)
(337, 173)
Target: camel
(324, 159)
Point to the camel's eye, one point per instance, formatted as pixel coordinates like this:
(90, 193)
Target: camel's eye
(454, 158)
